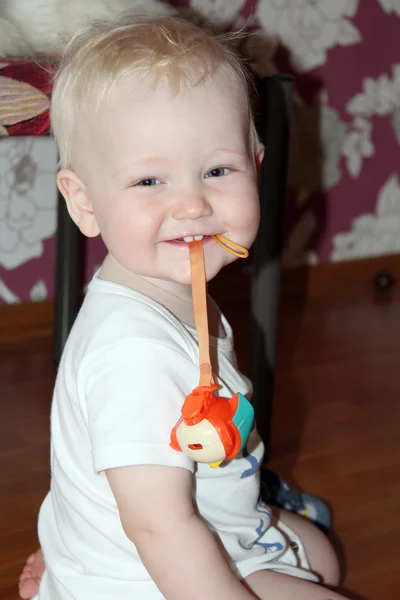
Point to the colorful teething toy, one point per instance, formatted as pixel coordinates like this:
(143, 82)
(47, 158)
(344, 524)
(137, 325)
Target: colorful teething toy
(212, 429)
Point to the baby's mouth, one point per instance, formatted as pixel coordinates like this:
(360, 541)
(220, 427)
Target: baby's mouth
(225, 243)
(190, 238)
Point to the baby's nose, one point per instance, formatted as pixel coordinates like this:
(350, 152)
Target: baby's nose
(192, 204)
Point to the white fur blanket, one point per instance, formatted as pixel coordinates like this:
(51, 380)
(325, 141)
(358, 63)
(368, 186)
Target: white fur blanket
(32, 27)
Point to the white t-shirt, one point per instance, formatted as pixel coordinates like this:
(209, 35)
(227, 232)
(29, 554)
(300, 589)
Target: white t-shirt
(127, 367)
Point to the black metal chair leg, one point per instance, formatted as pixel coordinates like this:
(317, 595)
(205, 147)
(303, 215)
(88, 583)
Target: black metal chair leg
(68, 277)
(276, 95)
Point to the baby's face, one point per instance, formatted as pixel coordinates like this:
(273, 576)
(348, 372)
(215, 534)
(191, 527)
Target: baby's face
(160, 167)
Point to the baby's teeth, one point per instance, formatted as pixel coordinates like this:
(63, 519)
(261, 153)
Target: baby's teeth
(195, 238)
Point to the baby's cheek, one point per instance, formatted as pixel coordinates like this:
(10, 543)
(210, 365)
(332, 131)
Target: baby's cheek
(248, 203)
(250, 223)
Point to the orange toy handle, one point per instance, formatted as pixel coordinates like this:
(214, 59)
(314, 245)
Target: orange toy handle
(199, 295)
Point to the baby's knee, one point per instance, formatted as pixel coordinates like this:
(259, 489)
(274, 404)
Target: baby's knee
(329, 567)
(323, 557)
(320, 553)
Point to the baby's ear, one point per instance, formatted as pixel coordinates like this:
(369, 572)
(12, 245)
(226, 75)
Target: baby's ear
(78, 203)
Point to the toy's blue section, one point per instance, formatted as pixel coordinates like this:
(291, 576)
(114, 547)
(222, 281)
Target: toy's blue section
(243, 419)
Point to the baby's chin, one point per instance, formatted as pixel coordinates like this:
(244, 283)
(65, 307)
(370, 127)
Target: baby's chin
(184, 276)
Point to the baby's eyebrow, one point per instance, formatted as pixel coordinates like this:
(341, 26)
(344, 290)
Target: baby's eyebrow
(138, 163)
(236, 151)
(151, 159)
(157, 160)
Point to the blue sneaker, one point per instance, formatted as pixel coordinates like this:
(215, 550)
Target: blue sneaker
(276, 492)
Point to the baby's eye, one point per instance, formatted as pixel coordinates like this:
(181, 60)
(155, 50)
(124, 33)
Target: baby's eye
(218, 172)
(149, 181)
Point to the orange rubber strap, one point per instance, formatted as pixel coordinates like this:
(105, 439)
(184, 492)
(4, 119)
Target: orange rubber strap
(199, 295)
(230, 246)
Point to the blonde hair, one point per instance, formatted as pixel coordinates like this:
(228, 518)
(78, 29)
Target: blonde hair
(104, 54)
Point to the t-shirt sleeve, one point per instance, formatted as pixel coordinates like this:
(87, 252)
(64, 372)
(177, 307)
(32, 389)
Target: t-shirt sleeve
(133, 394)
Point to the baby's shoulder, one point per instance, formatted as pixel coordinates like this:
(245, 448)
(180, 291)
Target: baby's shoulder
(112, 315)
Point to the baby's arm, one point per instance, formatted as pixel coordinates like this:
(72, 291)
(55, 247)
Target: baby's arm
(176, 547)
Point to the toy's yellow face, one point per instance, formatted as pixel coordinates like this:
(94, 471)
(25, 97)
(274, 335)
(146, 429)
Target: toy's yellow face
(201, 442)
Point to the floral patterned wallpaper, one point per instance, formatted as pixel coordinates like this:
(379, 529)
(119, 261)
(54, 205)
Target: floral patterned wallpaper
(344, 188)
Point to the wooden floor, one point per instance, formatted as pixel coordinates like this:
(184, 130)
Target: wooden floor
(335, 431)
